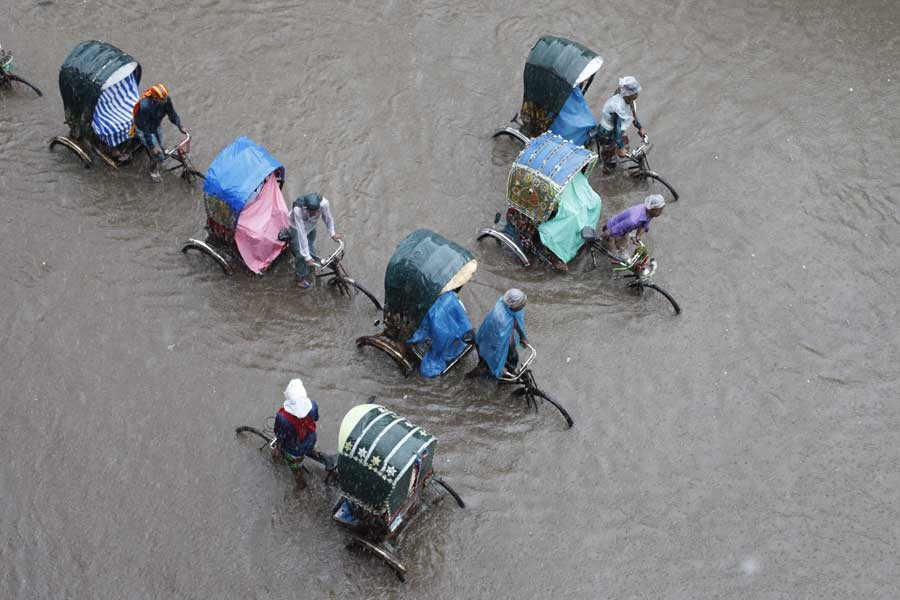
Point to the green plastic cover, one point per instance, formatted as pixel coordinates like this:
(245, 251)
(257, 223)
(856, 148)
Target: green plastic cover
(81, 80)
(423, 263)
(579, 207)
(551, 71)
(383, 459)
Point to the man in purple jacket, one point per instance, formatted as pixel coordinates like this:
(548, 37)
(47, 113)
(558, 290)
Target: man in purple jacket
(636, 218)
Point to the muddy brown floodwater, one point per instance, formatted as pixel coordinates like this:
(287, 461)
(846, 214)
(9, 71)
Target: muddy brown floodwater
(747, 448)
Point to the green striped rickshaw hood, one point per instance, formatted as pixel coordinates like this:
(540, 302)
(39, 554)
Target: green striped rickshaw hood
(381, 458)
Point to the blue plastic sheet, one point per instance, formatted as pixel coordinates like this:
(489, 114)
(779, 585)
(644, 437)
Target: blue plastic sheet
(493, 335)
(445, 324)
(237, 171)
(575, 121)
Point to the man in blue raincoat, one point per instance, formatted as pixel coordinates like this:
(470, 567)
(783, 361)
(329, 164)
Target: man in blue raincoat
(502, 329)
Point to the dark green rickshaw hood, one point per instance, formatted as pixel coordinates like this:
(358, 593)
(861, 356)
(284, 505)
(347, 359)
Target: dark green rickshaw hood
(423, 263)
(551, 71)
(383, 459)
(82, 76)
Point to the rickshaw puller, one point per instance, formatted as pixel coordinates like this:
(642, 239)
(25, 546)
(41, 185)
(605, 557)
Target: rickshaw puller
(148, 113)
(617, 115)
(502, 329)
(295, 429)
(304, 218)
(633, 219)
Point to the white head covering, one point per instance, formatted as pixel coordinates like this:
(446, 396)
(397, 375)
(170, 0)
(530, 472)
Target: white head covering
(515, 299)
(629, 86)
(296, 401)
(654, 201)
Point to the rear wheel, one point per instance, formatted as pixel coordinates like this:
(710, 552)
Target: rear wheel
(74, 147)
(391, 559)
(204, 248)
(389, 348)
(512, 133)
(506, 242)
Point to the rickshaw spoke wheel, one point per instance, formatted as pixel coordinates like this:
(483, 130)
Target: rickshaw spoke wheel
(543, 395)
(392, 560)
(450, 490)
(666, 295)
(254, 431)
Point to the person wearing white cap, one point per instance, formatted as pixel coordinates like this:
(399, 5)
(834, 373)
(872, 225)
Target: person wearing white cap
(295, 428)
(636, 218)
(616, 117)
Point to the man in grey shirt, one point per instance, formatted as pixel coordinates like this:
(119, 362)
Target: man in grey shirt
(304, 218)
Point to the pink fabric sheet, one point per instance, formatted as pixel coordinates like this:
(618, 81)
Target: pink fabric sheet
(258, 227)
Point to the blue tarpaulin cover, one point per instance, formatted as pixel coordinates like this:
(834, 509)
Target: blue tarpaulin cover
(445, 324)
(238, 170)
(493, 335)
(575, 121)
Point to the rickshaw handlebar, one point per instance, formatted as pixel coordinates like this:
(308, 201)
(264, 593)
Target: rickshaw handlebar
(185, 145)
(324, 263)
(512, 377)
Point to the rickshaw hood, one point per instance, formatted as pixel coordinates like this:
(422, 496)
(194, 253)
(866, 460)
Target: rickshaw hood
(238, 170)
(423, 266)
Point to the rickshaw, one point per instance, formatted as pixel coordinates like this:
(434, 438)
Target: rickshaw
(421, 285)
(246, 215)
(99, 85)
(6, 72)
(425, 323)
(558, 72)
(552, 207)
(385, 469)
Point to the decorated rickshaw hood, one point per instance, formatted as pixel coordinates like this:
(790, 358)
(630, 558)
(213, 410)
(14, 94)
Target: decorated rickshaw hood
(423, 266)
(377, 452)
(238, 171)
(542, 171)
(90, 68)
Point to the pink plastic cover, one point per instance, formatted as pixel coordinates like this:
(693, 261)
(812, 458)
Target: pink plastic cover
(258, 227)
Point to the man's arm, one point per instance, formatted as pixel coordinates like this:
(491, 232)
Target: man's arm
(326, 216)
(302, 242)
(173, 116)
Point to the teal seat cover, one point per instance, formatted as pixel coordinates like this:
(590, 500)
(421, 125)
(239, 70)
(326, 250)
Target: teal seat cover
(579, 207)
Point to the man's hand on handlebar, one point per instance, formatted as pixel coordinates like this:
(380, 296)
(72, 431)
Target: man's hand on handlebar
(183, 130)
(336, 237)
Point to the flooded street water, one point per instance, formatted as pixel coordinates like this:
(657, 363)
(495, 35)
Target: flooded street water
(746, 448)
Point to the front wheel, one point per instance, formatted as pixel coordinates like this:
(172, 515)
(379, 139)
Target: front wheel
(450, 490)
(665, 294)
(22, 81)
(655, 184)
(540, 394)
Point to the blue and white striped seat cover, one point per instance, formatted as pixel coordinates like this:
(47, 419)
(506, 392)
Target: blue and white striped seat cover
(112, 117)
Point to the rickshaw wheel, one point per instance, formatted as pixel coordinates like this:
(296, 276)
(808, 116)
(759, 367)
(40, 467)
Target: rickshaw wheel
(505, 241)
(450, 490)
(388, 348)
(392, 560)
(205, 248)
(74, 147)
(540, 394)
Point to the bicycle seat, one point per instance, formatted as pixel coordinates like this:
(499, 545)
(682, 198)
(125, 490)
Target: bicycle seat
(589, 234)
